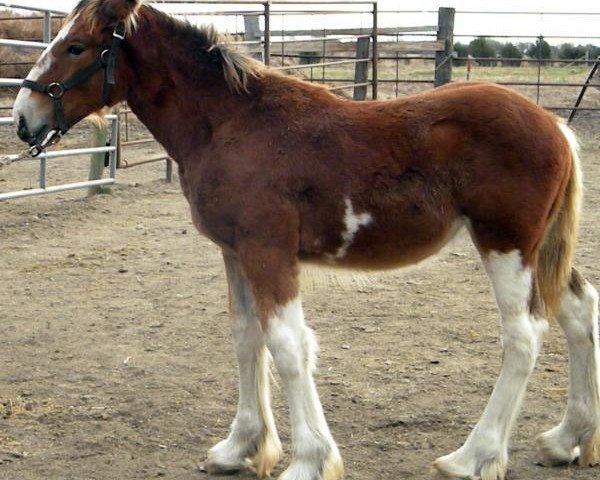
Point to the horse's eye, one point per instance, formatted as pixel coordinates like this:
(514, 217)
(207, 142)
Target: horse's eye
(75, 49)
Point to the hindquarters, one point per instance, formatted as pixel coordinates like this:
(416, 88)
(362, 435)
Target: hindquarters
(523, 208)
(514, 181)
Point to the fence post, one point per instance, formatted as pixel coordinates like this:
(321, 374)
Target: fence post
(267, 33)
(375, 63)
(361, 69)
(443, 58)
(252, 32)
(97, 160)
(47, 27)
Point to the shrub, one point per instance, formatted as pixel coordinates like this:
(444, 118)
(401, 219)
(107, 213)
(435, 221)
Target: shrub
(481, 47)
(511, 55)
(541, 49)
(570, 51)
(461, 52)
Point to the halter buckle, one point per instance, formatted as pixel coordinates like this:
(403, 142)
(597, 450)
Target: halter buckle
(52, 138)
(56, 90)
(119, 31)
(35, 151)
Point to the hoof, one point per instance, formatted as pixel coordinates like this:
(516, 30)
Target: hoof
(218, 468)
(558, 447)
(458, 467)
(332, 469)
(226, 458)
(229, 458)
(555, 448)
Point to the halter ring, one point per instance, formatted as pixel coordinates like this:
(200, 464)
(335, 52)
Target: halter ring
(56, 90)
(104, 56)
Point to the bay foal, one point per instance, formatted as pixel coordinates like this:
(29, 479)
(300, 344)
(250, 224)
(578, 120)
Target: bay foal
(278, 171)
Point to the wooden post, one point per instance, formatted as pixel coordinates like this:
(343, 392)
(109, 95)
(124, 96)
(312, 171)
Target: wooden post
(97, 161)
(252, 32)
(47, 29)
(361, 69)
(443, 58)
(375, 62)
(267, 34)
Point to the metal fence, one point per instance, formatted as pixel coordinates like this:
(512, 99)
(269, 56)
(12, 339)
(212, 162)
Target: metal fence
(539, 79)
(110, 150)
(366, 58)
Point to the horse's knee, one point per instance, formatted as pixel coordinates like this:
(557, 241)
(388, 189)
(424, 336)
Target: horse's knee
(292, 344)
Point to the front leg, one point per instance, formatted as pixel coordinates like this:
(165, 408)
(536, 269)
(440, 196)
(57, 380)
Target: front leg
(253, 441)
(273, 275)
(293, 346)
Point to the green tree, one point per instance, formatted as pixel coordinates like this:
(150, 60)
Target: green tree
(594, 51)
(541, 49)
(570, 51)
(482, 48)
(512, 53)
(461, 51)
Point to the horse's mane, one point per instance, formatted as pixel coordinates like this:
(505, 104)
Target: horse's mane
(237, 67)
(204, 42)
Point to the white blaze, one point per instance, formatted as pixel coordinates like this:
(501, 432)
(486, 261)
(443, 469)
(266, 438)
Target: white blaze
(22, 105)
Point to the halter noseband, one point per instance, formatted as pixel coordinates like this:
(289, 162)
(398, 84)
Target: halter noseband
(107, 61)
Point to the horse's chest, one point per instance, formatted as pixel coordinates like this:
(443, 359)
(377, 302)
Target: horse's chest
(189, 193)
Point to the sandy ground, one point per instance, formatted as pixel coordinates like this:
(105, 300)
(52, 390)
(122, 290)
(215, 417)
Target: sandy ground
(116, 360)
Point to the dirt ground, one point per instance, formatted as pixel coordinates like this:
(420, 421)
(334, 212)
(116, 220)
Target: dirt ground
(116, 360)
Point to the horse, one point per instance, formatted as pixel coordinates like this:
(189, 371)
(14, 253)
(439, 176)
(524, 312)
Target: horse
(279, 172)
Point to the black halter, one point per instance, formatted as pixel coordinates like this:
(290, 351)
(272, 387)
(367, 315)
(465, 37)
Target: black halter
(55, 90)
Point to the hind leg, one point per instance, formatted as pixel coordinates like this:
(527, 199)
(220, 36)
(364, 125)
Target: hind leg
(484, 454)
(578, 434)
(253, 440)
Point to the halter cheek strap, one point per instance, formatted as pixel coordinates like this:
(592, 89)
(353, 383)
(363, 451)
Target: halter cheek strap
(56, 90)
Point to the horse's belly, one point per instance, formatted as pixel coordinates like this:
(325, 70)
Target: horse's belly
(375, 240)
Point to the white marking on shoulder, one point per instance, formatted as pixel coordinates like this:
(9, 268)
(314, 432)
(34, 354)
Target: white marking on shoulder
(353, 223)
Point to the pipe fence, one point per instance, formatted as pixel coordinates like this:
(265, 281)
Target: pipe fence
(355, 53)
(110, 150)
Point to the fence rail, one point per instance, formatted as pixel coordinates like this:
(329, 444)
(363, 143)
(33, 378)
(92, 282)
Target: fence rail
(42, 159)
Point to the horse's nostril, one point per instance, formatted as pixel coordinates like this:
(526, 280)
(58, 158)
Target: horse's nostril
(22, 130)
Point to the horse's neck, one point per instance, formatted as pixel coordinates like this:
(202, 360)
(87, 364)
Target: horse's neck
(177, 99)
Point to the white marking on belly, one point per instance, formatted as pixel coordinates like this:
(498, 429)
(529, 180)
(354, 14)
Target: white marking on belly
(353, 222)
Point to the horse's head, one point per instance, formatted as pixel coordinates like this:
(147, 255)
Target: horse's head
(75, 76)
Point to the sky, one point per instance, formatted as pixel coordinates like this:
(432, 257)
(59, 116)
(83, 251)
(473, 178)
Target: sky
(547, 24)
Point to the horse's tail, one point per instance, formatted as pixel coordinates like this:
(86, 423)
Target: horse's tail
(556, 254)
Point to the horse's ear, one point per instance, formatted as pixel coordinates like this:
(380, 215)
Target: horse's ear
(113, 11)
